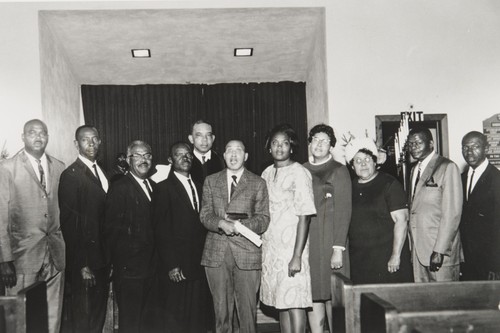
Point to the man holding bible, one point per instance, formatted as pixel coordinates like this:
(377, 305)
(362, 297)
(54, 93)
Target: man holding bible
(234, 198)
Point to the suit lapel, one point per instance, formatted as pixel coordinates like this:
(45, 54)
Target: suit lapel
(138, 188)
(181, 190)
(483, 181)
(89, 173)
(427, 174)
(241, 184)
(222, 185)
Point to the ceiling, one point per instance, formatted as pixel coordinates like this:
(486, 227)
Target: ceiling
(187, 45)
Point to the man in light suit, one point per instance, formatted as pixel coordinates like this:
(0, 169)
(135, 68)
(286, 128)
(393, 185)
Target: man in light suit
(233, 263)
(130, 241)
(206, 161)
(180, 238)
(480, 224)
(31, 243)
(82, 193)
(435, 208)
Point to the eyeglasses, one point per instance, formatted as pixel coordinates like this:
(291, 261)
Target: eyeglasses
(146, 156)
(320, 141)
(360, 160)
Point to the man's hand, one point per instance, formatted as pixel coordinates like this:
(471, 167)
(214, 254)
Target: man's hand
(393, 264)
(228, 227)
(436, 261)
(175, 275)
(88, 277)
(336, 261)
(8, 274)
(294, 266)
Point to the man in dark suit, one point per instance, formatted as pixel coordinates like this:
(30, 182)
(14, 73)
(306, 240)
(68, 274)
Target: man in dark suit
(435, 209)
(130, 241)
(233, 263)
(206, 161)
(480, 224)
(82, 193)
(180, 237)
(31, 243)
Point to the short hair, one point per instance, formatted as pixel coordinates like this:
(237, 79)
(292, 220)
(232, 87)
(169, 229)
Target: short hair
(424, 132)
(288, 131)
(136, 143)
(29, 122)
(239, 140)
(476, 134)
(201, 121)
(176, 144)
(322, 128)
(367, 152)
(81, 128)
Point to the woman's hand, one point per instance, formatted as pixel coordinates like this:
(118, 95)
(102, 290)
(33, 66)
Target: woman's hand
(294, 266)
(393, 264)
(336, 261)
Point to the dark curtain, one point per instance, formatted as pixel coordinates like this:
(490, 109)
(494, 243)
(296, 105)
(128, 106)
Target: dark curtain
(163, 114)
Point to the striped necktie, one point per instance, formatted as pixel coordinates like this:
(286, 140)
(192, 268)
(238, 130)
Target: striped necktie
(42, 174)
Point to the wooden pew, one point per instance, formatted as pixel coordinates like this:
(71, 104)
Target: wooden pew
(451, 296)
(379, 316)
(25, 312)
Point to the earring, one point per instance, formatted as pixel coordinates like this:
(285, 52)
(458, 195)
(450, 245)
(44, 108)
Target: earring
(269, 150)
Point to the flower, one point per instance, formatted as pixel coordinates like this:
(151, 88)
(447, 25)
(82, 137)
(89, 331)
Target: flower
(328, 195)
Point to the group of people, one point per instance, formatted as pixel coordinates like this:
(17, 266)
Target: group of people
(180, 253)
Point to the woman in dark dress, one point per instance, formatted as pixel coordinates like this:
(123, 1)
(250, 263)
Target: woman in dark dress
(378, 243)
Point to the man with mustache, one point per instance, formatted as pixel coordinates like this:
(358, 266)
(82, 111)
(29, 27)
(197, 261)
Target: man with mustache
(31, 243)
(82, 194)
(130, 242)
(180, 237)
(435, 206)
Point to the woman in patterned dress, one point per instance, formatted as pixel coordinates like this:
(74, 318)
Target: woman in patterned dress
(286, 280)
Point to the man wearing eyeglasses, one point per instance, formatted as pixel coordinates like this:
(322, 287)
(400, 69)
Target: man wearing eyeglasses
(82, 194)
(435, 207)
(130, 242)
(31, 243)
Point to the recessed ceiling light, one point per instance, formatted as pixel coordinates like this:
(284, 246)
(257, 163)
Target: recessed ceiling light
(243, 52)
(141, 53)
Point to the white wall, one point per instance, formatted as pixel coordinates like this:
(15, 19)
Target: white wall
(382, 56)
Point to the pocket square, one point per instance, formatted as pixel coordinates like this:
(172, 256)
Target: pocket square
(431, 183)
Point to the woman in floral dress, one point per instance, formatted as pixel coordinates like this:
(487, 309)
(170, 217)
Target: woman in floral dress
(286, 280)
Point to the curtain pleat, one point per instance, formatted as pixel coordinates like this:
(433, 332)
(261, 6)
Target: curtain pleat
(163, 114)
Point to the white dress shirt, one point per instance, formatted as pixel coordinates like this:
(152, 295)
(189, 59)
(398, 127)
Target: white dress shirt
(143, 186)
(45, 166)
(423, 165)
(199, 156)
(184, 181)
(230, 175)
(477, 174)
(102, 176)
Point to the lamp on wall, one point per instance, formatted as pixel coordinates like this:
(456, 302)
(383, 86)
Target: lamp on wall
(141, 53)
(243, 52)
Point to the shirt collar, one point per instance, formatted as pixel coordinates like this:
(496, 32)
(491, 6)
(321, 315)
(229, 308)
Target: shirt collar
(139, 180)
(479, 170)
(33, 160)
(426, 161)
(87, 162)
(181, 177)
(208, 155)
(237, 174)
(311, 160)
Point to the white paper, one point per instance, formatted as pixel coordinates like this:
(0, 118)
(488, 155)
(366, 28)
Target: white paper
(248, 234)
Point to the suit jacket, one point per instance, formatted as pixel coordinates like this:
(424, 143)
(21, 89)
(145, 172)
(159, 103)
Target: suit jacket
(81, 200)
(200, 171)
(480, 224)
(250, 197)
(128, 229)
(179, 234)
(435, 212)
(29, 215)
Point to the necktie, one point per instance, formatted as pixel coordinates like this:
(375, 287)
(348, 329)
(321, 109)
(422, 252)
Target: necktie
(150, 192)
(97, 174)
(470, 184)
(42, 174)
(234, 184)
(416, 181)
(203, 159)
(193, 193)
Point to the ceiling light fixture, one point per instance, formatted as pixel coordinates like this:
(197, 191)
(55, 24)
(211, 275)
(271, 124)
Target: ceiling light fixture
(243, 52)
(141, 53)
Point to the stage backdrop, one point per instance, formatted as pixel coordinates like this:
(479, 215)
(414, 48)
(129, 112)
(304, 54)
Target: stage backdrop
(163, 114)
